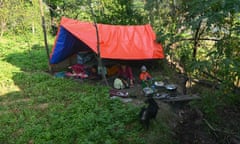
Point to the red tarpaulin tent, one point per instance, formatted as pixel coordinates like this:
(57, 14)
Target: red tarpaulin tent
(132, 42)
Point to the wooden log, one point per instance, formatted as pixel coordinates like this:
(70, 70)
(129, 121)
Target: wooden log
(182, 98)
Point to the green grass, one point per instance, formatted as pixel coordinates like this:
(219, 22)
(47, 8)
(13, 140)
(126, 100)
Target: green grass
(39, 108)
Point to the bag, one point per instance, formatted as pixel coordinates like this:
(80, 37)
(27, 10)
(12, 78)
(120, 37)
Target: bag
(118, 84)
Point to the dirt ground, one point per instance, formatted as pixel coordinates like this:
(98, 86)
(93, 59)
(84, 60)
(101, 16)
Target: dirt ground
(190, 125)
(191, 128)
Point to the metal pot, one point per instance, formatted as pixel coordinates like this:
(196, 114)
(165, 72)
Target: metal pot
(159, 85)
(148, 91)
(171, 87)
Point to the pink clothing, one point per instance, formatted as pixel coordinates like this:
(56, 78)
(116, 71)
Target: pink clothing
(77, 71)
(127, 74)
(77, 68)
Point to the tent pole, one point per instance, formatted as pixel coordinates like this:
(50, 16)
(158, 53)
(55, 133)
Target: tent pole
(98, 45)
(45, 35)
(99, 57)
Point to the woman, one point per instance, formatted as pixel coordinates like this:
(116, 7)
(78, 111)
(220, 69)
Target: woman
(124, 77)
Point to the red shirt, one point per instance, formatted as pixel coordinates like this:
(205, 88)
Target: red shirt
(145, 76)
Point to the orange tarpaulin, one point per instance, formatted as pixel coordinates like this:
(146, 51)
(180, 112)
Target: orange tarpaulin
(134, 42)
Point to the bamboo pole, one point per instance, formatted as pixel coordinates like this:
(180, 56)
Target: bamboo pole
(98, 46)
(45, 35)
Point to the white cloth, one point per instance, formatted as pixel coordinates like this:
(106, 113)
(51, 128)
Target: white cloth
(118, 84)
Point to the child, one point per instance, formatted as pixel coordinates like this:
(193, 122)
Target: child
(144, 76)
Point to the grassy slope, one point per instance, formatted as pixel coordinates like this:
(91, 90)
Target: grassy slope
(38, 108)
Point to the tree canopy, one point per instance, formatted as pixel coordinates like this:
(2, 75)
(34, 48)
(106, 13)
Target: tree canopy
(197, 34)
(200, 40)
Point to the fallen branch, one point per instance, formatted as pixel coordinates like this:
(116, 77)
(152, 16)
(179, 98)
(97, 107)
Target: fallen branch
(211, 76)
(233, 137)
(206, 83)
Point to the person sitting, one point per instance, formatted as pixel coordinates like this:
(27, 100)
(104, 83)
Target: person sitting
(124, 77)
(76, 71)
(145, 76)
(92, 73)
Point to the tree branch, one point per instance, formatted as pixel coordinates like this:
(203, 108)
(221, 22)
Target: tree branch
(192, 39)
(234, 137)
(207, 39)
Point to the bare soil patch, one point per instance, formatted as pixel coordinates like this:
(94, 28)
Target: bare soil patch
(191, 128)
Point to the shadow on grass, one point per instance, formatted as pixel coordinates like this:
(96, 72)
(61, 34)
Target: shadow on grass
(32, 65)
(34, 59)
(25, 70)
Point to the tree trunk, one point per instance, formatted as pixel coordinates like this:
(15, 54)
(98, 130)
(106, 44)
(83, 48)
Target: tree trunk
(45, 35)
(52, 12)
(196, 41)
(2, 29)
(197, 36)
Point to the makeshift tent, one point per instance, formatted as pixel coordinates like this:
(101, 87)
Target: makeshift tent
(132, 42)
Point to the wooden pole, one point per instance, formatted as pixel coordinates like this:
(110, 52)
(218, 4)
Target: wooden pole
(45, 35)
(98, 46)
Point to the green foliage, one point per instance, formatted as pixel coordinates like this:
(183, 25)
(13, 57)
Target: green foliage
(45, 109)
(209, 104)
(118, 12)
(39, 108)
(197, 20)
(19, 17)
(78, 114)
(123, 12)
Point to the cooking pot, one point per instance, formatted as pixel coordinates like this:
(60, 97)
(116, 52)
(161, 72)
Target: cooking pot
(159, 83)
(148, 91)
(171, 87)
